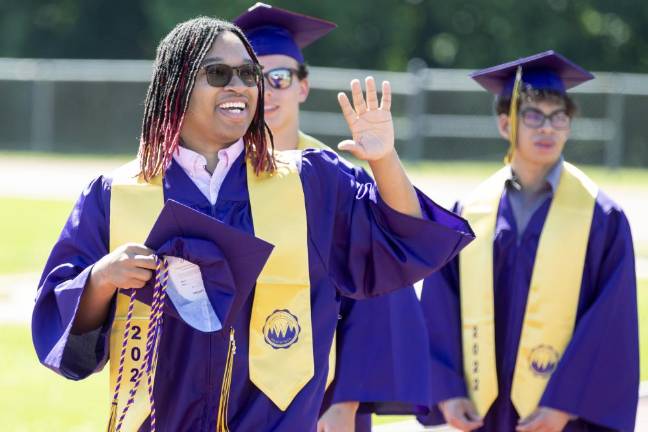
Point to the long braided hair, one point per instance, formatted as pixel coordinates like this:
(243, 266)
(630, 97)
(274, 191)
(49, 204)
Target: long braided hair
(177, 62)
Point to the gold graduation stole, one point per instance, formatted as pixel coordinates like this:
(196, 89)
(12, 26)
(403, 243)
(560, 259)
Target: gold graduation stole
(134, 207)
(308, 142)
(553, 292)
(281, 335)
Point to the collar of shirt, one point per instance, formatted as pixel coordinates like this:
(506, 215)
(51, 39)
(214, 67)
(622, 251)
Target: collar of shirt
(194, 165)
(524, 205)
(551, 179)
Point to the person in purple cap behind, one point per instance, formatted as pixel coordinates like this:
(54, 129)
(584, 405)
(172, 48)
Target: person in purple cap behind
(556, 275)
(204, 144)
(372, 329)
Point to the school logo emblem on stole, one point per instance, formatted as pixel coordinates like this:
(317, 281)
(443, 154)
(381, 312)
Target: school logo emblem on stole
(543, 360)
(281, 329)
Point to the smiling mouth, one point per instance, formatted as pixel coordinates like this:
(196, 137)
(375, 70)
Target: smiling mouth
(270, 108)
(233, 107)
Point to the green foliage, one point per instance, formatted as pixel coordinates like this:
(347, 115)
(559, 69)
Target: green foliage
(375, 34)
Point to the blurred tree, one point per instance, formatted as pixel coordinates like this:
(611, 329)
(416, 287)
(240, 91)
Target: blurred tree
(381, 34)
(74, 29)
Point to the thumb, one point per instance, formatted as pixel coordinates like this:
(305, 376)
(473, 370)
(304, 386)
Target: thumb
(352, 147)
(471, 412)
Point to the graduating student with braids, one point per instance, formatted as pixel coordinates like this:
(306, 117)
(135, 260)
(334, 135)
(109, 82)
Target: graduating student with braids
(204, 145)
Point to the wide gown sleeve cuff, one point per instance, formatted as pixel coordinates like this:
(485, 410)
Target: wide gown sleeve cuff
(449, 231)
(436, 220)
(73, 356)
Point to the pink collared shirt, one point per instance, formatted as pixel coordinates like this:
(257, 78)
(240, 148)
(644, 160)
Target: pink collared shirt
(194, 165)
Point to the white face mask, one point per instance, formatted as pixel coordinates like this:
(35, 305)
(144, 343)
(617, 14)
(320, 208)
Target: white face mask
(187, 292)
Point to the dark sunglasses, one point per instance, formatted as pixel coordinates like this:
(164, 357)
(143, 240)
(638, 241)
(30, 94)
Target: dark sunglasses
(535, 119)
(280, 78)
(220, 75)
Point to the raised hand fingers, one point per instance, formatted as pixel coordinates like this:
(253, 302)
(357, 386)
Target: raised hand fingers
(358, 99)
(347, 110)
(385, 101)
(372, 96)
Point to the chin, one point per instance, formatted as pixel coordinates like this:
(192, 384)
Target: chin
(228, 133)
(546, 159)
(273, 121)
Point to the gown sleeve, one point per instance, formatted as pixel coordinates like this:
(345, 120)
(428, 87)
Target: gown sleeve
(369, 248)
(83, 241)
(597, 379)
(381, 347)
(382, 353)
(441, 308)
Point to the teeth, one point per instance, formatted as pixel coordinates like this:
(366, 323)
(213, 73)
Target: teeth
(239, 106)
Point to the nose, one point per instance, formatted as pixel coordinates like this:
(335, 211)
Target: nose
(235, 83)
(546, 125)
(267, 92)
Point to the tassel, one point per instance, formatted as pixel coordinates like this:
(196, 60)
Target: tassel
(223, 404)
(513, 118)
(113, 418)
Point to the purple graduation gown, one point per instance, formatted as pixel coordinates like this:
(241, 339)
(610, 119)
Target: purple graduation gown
(382, 356)
(357, 247)
(381, 353)
(597, 378)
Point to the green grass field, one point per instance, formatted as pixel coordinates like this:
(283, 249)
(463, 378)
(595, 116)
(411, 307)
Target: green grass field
(31, 227)
(33, 398)
(626, 177)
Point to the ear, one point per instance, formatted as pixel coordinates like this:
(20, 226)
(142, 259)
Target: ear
(503, 126)
(304, 89)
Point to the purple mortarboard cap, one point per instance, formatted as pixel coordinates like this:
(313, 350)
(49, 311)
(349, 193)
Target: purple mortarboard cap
(545, 71)
(230, 259)
(272, 30)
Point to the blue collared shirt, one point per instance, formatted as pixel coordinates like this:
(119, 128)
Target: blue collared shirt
(525, 203)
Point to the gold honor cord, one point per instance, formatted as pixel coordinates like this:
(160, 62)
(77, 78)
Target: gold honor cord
(223, 404)
(513, 116)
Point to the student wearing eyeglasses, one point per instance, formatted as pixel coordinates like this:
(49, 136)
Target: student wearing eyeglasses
(534, 326)
(204, 145)
(394, 369)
